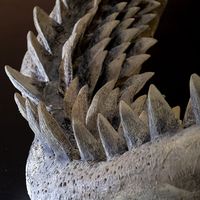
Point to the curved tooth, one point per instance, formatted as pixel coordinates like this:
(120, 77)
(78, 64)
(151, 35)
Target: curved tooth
(135, 2)
(143, 44)
(89, 148)
(26, 85)
(54, 135)
(144, 117)
(150, 7)
(80, 106)
(135, 131)
(112, 17)
(189, 118)
(139, 104)
(195, 96)
(20, 101)
(127, 35)
(131, 12)
(38, 55)
(133, 65)
(161, 118)
(133, 85)
(120, 6)
(70, 97)
(97, 105)
(125, 24)
(114, 68)
(45, 26)
(145, 19)
(112, 142)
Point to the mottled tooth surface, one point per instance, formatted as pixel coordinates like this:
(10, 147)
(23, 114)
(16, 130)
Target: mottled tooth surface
(97, 105)
(38, 55)
(80, 106)
(131, 12)
(24, 84)
(145, 19)
(143, 44)
(189, 117)
(133, 65)
(54, 135)
(20, 101)
(177, 112)
(127, 35)
(135, 131)
(161, 118)
(70, 97)
(139, 104)
(88, 146)
(45, 26)
(114, 68)
(195, 96)
(150, 7)
(112, 142)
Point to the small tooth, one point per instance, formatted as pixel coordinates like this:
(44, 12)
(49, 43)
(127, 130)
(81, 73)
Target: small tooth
(143, 44)
(95, 68)
(38, 55)
(189, 118)
(97, 105)
(144, 117)
(145, 19)
(89, 147)
(133, 65)
(131, 12)
(161, 118)
(112, 17)
(133, 85)
(20, 101)
(135, 2)
(125, 24)
(135, 131)
(127, 35)
(114, 68)
(26, 85)
(150, 7)
(113, 143)
(195, 96)
(56, 138)
(80, 106)
(46, 27)
(139, 104)
(177, 112)
(120, 6)
(70, 97)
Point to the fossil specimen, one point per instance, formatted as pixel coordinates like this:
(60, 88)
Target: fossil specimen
(94, 137)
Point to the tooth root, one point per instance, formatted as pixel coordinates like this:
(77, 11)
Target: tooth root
(97, 105)
(127, 35)
(38, 55)
(80, 106)
(114, 68)
(145, 19)
(195, 96)
(133, 85)
(70, 97)
(135, 131)
(95, 68)
(45, 26)
(131, 12)
(24, 84)
(20, 101)
(143, 44)
(189, 118)
(89, 148)
(55, 137)
(150, 7)
(161, 118)
(113, 144)
(133, 65)
(139, 104)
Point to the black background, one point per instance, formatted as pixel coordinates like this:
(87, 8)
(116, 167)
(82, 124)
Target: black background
(174, 58)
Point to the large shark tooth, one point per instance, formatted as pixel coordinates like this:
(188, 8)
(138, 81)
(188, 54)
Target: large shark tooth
(26, 85)
(135, 131)
(161, 117)
(113, 143)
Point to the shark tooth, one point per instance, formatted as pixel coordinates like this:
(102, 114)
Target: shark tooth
(135, 131)
(161, 117)
(177, 112)
(152, 5)
(139, 104)
(45, 26)
(26, 85)
(131, 12)
(20, 101)
(112, 17)
(195, 96)
(89, 147)
(145, 19)
(120, 6)
(54, 135)
(125, 24)
(38, 55)
(127, 35)
(144, 117)
(113, 143)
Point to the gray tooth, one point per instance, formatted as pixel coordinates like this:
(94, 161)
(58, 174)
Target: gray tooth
(89, 148)
(26, 85)
(38, 55)
(135, 131)
(112, 142)
(195, 96)
(45, 26)
(161, 117)
(20, 101)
